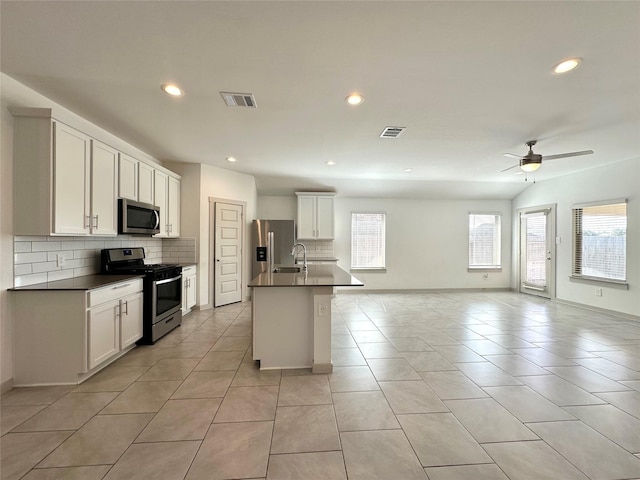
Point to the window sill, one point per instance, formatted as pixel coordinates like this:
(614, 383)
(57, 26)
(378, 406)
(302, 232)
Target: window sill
(368, 270)
(619, 284)
(484, 269)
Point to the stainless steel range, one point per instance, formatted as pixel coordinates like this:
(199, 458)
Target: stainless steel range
(162, 289)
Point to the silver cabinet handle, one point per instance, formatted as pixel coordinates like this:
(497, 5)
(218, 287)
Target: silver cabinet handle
(121, 286)
(87, 221)
(126, 307)
(96, 224)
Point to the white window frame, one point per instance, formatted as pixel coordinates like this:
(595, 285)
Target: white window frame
(496, 264)
(577, 239)
(380, 266)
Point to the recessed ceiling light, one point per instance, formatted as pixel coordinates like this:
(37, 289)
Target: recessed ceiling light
(331, 162)
(231, 159)
(354, 99)
(172, 89)
(408, 170)
(566, 66)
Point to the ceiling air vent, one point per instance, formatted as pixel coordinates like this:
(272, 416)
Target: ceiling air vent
(239, 99)
(392, 132)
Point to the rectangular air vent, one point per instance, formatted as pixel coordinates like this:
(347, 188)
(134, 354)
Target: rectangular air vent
(392, 132)
(239, 99)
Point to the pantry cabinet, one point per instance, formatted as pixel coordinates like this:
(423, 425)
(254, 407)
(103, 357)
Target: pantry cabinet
(315, 216)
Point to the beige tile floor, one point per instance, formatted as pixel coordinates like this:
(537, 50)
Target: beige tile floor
(439, 386)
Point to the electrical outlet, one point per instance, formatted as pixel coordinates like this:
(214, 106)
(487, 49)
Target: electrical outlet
(60, 260)
(322, 310)
(485, 276)
(598, 292)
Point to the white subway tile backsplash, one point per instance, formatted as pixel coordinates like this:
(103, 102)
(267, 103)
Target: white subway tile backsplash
(30, 257)
(30, 279)
(59, 275)
(22, 269)
(21, 247)
(44, 267)
(45, 246)
(36, 257)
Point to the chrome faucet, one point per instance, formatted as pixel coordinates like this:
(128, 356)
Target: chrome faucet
(304, 253)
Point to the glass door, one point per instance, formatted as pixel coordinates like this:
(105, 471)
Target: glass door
(537, 252)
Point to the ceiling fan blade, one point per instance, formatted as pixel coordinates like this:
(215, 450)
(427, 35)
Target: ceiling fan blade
(512, 166)
(565, 155)
(511, 155)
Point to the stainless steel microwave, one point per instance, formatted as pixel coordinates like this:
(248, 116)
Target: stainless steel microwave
(138, 218)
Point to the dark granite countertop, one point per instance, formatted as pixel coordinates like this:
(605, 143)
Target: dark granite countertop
(87, 282)
(317, 276)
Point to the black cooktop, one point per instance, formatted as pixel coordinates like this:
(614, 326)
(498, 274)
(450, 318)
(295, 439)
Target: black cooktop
(131, 260)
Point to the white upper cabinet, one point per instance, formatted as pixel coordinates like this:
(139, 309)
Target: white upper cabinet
(173, 206)
(146, 180)
(167, 197)
(315, 216)
(68, 183)
(71, 181)
(128, 177)
(103, 194)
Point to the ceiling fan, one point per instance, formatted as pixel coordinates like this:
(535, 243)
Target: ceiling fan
(532, 161)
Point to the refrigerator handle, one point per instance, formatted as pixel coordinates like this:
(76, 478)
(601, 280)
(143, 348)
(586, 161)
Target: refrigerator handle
(270, 256)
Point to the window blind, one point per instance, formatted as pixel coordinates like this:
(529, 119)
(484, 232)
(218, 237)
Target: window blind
(600, 241)
(484, 240)
(367, 240)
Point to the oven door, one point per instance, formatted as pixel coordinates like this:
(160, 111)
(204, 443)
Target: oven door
(167, 297)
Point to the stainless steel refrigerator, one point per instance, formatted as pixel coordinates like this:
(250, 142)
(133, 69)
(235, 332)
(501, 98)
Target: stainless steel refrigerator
(271, 243)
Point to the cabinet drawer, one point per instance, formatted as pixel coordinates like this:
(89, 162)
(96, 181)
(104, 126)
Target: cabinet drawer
(188, 270)
(114, 292)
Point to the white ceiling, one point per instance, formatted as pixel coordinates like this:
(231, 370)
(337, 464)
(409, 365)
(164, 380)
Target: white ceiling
(469, 81)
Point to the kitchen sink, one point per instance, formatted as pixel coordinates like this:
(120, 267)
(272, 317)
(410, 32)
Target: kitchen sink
(287, 270)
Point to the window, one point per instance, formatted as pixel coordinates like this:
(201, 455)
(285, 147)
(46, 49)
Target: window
(600, 241)
(367, 240)
(484, 241)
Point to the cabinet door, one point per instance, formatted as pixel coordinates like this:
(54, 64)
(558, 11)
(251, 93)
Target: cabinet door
(130, 319)
(103, 332)
(324, 218)
(306, 217)
(71, 174)
(104, 167)
(173, 205)
(191, 292)
(127, 177)
(161, 187)
(145, 183)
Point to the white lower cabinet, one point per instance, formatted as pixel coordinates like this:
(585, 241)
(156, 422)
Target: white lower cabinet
(65, 336)
(103, 332)
(189, 283)
(130, 319)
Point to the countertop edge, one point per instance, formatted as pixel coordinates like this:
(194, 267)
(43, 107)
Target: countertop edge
(84, 283)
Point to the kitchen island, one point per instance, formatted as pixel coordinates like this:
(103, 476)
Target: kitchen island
(291, 315)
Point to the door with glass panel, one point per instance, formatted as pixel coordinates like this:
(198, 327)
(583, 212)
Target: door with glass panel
(537, 276)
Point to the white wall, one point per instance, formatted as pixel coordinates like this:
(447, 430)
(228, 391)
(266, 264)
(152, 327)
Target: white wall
(199, 183)
(6, 242)
(427, 241)
(618, 180)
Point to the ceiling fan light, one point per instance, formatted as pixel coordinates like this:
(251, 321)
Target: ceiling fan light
(529, 167)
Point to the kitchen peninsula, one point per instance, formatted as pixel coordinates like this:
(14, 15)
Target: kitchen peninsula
(291, 315)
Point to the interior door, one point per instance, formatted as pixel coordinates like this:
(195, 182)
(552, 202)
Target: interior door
(228, 254)
(537, 252)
